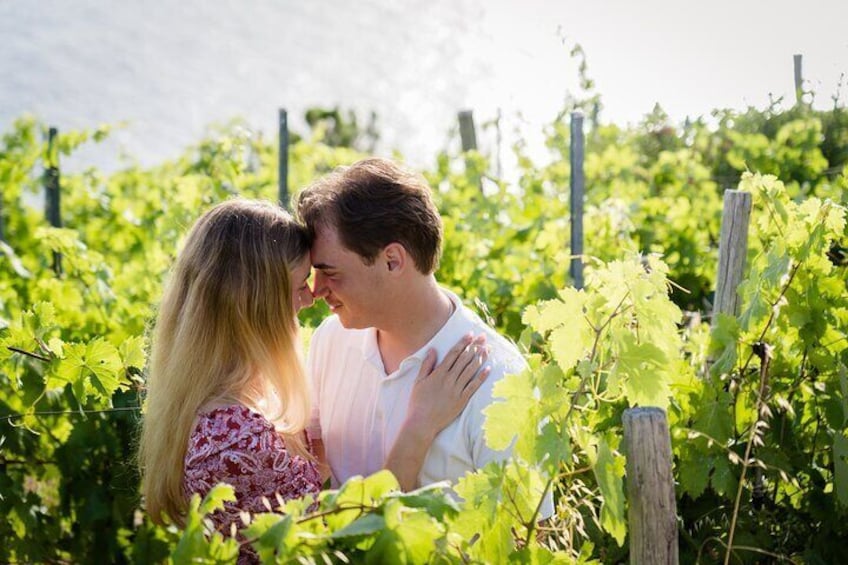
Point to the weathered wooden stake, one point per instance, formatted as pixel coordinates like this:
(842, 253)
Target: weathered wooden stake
(733, 247)
(467, 133)
(799, 79)
(578, 183)
(650, 488)
(283, 159)
(52, 201)
(468, 137)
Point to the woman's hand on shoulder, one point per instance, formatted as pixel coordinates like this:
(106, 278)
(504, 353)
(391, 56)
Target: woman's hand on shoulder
(442, 391)
(439, 395)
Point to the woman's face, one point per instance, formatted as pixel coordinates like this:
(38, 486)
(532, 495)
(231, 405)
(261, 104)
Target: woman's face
(301, 293)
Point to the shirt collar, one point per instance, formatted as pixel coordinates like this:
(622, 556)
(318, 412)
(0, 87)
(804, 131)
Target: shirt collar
(370, 349)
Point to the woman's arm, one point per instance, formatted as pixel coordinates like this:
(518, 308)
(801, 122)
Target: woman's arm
(438, 397)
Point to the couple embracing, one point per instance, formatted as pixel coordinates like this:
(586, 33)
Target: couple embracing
(396, 378)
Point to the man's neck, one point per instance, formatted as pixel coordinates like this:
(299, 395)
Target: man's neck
(425, 310)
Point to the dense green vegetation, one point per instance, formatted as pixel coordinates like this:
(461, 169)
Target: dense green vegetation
(759, 439)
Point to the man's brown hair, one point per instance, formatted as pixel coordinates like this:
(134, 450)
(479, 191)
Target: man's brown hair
(373, 203)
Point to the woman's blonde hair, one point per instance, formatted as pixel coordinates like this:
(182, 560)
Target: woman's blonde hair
(226, 332)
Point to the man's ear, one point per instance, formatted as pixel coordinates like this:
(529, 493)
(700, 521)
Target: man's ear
(395, 257)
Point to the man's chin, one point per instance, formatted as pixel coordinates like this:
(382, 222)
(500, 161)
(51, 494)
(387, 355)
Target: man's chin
(349, 324)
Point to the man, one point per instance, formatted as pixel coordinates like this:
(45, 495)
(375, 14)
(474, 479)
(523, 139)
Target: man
(376, 243)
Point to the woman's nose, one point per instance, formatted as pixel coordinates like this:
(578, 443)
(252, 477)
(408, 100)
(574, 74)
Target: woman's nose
(307, 298)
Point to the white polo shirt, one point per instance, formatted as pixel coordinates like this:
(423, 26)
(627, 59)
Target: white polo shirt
(358, 410)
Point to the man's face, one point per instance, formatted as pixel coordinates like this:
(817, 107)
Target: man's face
(351, 288)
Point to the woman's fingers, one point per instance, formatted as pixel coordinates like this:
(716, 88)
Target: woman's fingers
(457, 370)
(470, 360)
(427, 364)
(442, 391)
(472, 369)
(456, 352)
(475, 382)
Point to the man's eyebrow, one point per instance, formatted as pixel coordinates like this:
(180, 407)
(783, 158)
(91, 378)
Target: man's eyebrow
(323, 266)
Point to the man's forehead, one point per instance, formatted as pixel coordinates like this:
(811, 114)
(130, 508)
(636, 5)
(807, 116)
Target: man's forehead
(325, 232)
(325, 238)
(326, 247)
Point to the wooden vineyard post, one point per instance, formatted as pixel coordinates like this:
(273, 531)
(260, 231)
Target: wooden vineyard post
(578, 189)
(52, 193)
(467, 133)
(652, 515)
(283, 159)
(468, 137)
(733, 247)
(799, 79)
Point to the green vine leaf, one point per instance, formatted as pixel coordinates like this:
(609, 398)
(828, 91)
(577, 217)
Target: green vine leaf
(644, 364)
(516, 415)
(609, 472)
(92, 369)
(408, 536)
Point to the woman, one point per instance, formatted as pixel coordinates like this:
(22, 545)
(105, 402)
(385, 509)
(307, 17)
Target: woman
(227, 398)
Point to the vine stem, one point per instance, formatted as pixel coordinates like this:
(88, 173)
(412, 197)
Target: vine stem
(578, 393)
(337, 510)
(771, 316)
(744, 368)
(362, 508)
(743, 548)
(764, 368)
(575, 472)
(28, 354)
(531, 524)
(598, 331)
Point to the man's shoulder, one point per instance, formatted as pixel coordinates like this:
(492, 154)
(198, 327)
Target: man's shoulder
(503, 353)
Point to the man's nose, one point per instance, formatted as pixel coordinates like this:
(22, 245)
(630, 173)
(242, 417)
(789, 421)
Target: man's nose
(319, 289)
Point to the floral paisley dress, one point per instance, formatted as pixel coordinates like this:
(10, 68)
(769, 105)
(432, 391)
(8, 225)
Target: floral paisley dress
(235, 445)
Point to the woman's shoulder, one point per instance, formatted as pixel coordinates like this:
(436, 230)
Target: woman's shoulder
(224, 418)
(237, 445)
(225, 427)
